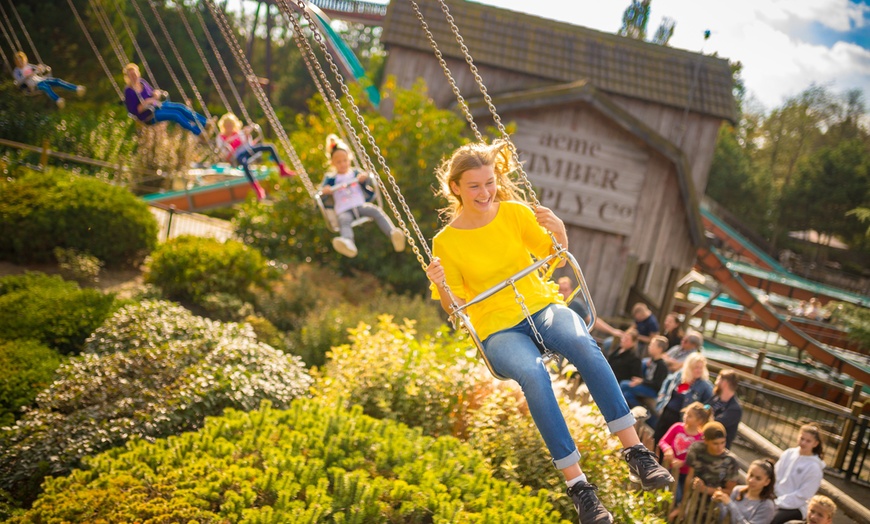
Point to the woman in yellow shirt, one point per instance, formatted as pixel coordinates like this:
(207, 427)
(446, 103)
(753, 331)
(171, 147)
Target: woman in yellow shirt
(493, 234)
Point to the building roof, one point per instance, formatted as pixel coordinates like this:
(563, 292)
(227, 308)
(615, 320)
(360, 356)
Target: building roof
(562, 53)
(582, 91)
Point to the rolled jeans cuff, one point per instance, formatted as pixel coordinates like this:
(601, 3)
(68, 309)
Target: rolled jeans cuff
(623, 422)
(570, 460)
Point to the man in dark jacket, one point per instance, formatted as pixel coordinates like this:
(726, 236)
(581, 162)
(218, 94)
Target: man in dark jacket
(726, 408)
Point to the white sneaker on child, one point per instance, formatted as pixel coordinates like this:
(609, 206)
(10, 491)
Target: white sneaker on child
(345, 246)
(61, 103)
(80, 90)
(398, 239)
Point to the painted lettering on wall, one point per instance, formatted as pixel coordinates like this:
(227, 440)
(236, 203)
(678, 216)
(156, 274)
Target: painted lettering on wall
(593, 182)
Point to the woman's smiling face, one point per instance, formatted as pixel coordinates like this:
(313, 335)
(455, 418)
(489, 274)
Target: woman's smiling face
(476, 189)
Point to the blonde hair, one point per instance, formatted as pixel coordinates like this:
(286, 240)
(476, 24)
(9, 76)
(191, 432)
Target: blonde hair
(700, 411)
(824, 502)
(131, 67)
(473, 156)
(22, 56)
(229, 117)
(691, 360)
(659, 341)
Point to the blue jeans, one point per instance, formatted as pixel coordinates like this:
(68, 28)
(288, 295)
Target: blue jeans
(512, 353)
(346, 218)
(46, 87)
(632, 392)
(181, 115)
(244, 156)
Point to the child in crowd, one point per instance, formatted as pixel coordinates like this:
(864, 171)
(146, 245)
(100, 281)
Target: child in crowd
(624, 360)
(655, 371)
(799, 473)
(752, 503)
(38, 77)
(711, 465)
(234, 141)
(350, 191)
(676, 442)
(821, 511)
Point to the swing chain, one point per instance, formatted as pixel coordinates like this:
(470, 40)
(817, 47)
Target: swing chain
(94, 48)
(547, 355)
(262, 99)
(230, 82)
(179, 7)
(488, 99)
(463, 105)
(301, 4)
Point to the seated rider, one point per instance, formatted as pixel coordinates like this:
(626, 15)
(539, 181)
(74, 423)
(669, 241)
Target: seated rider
(38, 77)
(148, 105)
(350, 193)
(234, 142)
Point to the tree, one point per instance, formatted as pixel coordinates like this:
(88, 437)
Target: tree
(635, 19)
(664, 32)
(830, 183)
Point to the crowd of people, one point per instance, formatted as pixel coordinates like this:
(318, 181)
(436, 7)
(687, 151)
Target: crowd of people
(695, 423)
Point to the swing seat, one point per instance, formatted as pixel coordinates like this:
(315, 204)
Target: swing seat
(324, 204)
(331, 217)
(460, 318)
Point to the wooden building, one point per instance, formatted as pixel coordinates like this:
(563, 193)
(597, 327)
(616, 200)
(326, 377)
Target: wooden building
(617, 135)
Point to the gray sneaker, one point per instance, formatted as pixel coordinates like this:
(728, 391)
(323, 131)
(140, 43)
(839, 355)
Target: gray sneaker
(644, 469)
(588, 506)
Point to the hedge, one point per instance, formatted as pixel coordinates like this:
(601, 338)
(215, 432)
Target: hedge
(312, 463)
(42, 211)
(50, 310)
(161, 383)
(28, 367)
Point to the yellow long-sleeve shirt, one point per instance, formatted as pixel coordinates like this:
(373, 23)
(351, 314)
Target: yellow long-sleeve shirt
(474, 260)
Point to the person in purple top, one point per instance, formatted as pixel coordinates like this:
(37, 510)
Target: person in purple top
(144, 103)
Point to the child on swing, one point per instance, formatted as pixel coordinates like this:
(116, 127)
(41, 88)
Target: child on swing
(234, 141)
(38, 77)
(492, 234)
(147, 104)
(350, 191)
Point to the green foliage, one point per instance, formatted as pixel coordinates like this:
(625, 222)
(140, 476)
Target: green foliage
(855, 318)
(731, 182)
(81, 267)
(28, 367)
(431, 384)
(311, 463)
(50, 310)
(161, 372)
(413, 141)
(42, 211)
(191, 268)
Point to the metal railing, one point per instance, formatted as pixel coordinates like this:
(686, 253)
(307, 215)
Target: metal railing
(174, 223)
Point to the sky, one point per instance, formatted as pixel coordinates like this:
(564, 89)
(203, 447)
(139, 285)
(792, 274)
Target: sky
(784, 45)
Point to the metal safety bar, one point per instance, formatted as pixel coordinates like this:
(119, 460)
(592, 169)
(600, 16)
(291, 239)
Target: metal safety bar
(460, 318)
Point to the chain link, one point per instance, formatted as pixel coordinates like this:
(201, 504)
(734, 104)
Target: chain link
(217, 54)
(463, 105)
(179, 7)
(262, 99)
(160, 52)
(518, 297)
(26, 33)
(95, 49)
(301, 7)
(17, 45)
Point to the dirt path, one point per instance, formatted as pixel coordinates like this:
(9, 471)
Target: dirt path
(121, 281)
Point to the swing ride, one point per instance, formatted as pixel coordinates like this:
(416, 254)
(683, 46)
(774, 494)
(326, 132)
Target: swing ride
(387, 189)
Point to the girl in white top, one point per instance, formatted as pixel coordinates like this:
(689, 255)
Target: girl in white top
(799, 474)
(349, 190)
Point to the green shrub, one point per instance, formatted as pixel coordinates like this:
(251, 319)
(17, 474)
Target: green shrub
(42, 211)
(226, 307)
(78, 266)
(190, 268)
(166, 382)
(51, 310)
(28, 368)
(311, 463)
(432, 384)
